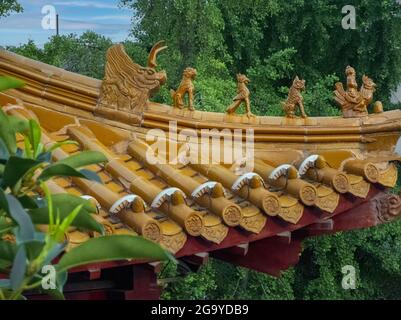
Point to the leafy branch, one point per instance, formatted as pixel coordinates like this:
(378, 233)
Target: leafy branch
(34, 223)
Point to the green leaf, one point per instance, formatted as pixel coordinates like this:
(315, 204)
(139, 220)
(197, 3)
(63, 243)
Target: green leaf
(5, 283)
(18, 270)
(28, 202)
(7, 250)
(83, 220)
(91, 175)
(5, 226)
(7, 133)
(5, 265)
(33, 249)
(3, 201)
(84, 158)
(26, 230)
(60, 170)
(4, 154)
(56, 250)
(64, 204)
(62, 277)
(109, 248)
(45, 157)
(28, 150)
(62, 229)
(35, 134)
(16, 168)
(7, 82)
(55, 294)
(19, 125)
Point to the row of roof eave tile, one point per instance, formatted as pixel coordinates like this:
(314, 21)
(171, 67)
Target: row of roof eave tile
(174, 237)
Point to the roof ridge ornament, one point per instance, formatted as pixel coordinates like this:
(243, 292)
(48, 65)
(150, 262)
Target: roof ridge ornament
(186, 87)
(242, 97)
(127, 86)
(354, 102)
(388, 207)
(157, 48)
(295, 100)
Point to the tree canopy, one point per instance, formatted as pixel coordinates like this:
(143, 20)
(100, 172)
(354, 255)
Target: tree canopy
(8, 6)
(272, 41)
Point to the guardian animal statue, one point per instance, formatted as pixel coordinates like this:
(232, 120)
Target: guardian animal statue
(295, 99)
(186, 88)
(242, 97)
(354, 102)
(127, 86)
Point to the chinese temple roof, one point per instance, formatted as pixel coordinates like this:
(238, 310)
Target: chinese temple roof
(307, 174)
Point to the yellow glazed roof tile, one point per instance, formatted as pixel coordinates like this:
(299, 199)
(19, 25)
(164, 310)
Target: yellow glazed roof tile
(300, 164)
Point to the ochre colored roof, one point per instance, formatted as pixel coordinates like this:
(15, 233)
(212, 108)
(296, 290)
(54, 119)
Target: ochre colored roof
(304, 170)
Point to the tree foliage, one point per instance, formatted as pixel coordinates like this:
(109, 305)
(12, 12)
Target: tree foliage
(272, 41)
(85, 54)
(8, 6)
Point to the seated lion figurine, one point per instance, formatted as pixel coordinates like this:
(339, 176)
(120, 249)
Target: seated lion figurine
(186, 87)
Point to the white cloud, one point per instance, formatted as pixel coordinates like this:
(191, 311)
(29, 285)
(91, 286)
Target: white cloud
(78, 25)
(111, 17)
(71, 25)
(33, 22)
(91, 4)
(29, 22)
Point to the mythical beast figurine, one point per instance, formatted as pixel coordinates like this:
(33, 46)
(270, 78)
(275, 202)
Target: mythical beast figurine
(354, 102)
(186, 87)
(242, 96)
(295, 99)
(127, 86)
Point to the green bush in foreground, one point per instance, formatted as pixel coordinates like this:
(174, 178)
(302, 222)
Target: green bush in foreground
(26, 255)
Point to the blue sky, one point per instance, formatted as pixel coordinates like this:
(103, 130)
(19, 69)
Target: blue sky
(101, 16)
